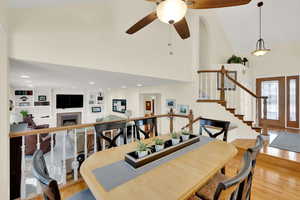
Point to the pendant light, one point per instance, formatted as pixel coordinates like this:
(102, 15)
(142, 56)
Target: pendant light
(260, 45)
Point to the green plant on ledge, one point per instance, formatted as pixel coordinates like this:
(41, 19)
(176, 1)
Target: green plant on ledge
(237, 60)
(24, 113)
(158, 141)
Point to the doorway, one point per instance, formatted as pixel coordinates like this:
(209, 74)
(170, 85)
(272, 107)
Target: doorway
(274, 89)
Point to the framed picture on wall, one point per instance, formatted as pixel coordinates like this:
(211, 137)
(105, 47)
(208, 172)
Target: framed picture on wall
(96, 109)
(228, 84)
(119, 105)
(183, 109)
(42, 98)
(148, 105)
(171, 103)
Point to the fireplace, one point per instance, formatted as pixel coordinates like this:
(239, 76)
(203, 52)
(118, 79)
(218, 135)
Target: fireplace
(68, 119)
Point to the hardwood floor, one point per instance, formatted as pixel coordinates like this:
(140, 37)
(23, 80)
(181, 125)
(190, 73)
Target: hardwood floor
(270, 183)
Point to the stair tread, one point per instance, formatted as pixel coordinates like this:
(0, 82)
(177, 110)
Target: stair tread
(248, 121)
(256, 127)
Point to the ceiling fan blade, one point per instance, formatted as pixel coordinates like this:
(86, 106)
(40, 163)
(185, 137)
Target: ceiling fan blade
(142, 23)
(204, 4)
(182, 28)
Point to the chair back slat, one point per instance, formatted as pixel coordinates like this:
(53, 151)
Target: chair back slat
(223, 125)
(245, 188)
(100, 128)
(152, 122)
(40, 171)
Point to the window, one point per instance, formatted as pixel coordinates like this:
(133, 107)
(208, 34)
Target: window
(271, 90)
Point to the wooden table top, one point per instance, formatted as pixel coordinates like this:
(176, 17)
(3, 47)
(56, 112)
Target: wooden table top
(175, 179)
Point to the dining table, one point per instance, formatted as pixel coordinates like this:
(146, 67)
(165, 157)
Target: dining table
(176, 177)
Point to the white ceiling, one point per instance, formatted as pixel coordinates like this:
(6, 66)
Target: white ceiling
(56, 76)
(280, 21)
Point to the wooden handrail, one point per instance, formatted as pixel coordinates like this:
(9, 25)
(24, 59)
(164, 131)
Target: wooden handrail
(208, 71)
(194, 121)
(64, 128)
(244, 88)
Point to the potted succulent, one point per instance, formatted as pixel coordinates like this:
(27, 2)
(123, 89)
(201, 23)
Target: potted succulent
(24, 113)
(142, 149)
(159, 144)
(185, 135)
(175, 137)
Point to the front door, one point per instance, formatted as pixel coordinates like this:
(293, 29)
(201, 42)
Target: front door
(274, 89)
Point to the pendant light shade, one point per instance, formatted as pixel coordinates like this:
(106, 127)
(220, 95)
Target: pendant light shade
(171, 11)
(260, 44)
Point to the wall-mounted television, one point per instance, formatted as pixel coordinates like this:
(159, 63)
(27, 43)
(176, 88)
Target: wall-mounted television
(69, 101)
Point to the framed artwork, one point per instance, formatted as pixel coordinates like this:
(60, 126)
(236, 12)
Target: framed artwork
(148, 105)
(119, 105)
(228, 84)
(42, 98)
(183, 109)
(96, 109)
(171, 103)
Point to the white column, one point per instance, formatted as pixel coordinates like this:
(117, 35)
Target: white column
(4, 116)
(75, 163)
(64, 159)
(85, 143)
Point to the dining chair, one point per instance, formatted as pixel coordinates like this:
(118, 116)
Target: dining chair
(152, 127)
(112, 142)
(224, 188)
(211, 123)
(49, 186)
(244, 189)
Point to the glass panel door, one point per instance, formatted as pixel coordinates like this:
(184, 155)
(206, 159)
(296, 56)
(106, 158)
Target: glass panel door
(274, 89)
(270, 89)
(293, 101)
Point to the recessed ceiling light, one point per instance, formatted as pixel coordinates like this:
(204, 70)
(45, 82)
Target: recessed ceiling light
(25, 76)
(92, 83)
(139, 85)
(124, 86)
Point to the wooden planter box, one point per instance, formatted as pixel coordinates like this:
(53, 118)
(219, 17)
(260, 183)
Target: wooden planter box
(132, 157)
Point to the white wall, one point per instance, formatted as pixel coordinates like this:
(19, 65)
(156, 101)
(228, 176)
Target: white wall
(39, 111)
(4, 116)
(92, 34)
(283, 60)
(185, 93)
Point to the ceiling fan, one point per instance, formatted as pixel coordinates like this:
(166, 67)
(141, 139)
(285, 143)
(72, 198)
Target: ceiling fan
(173, 12)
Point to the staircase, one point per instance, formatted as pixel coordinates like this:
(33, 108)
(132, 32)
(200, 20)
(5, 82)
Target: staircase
(221, 86)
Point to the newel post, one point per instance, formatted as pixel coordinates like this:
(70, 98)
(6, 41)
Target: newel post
(222, 94)
(264, 124)
(171, 113)
(191, 120)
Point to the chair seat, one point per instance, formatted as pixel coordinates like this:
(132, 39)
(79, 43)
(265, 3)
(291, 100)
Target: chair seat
(207, 192)
(83, 195)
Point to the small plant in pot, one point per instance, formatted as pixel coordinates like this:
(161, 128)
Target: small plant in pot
(159, 144)
(175, 137)
(185, 135)
(142, 149)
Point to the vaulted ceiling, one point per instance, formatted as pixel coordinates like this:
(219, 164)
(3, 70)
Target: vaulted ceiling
(280, 24)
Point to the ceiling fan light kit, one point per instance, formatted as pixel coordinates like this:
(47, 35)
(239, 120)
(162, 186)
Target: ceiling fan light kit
(171, 11)
(260, 44)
